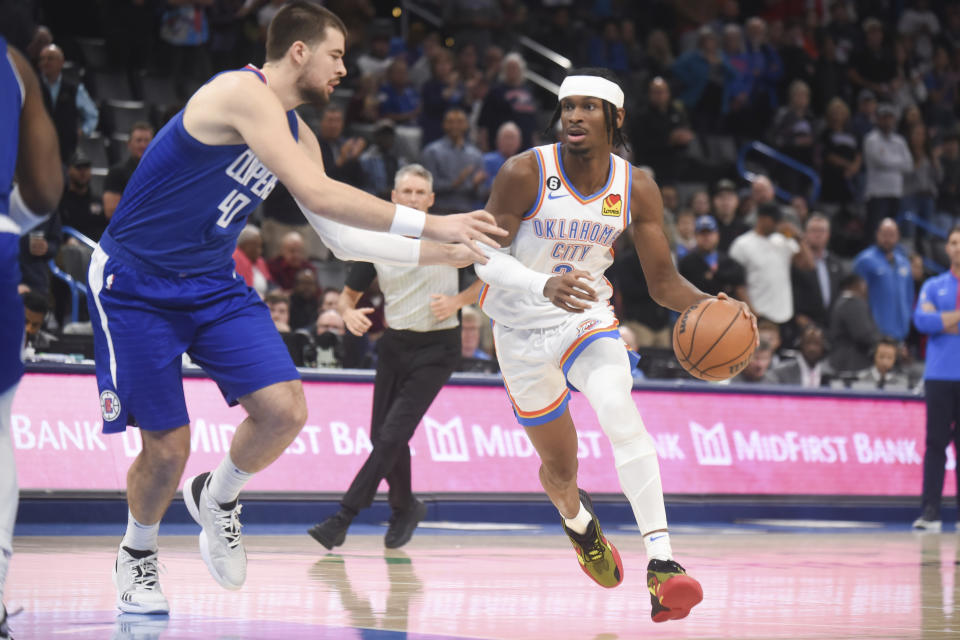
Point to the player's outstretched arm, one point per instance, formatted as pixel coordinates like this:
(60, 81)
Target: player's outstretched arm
(513, 194)
(39, 176)
(239, 103)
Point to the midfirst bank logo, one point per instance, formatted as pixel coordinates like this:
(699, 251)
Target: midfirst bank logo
(446, 440)
(711, 445)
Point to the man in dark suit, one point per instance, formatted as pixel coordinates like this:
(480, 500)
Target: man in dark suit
(710, 270)
(809, 368)
(815, 290)
(852, 329)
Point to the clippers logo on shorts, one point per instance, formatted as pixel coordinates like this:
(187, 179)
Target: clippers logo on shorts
(612, 205)
(109, 405)
(586, 325)
(109, 281)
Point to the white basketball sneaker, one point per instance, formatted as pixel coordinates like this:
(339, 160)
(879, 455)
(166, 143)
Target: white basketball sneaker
(132, 626)
(220, 543)
(137, 582)
(4, 628)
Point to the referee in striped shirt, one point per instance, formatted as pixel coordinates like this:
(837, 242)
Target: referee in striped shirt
(417, 354)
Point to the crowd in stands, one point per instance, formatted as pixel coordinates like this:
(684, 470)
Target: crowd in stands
(829, 243)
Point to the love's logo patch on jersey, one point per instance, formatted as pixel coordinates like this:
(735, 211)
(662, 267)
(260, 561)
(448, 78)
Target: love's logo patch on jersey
(612, 205)
(586, 325)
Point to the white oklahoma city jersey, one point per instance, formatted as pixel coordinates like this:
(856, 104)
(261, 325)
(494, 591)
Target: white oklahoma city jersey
(564, 230)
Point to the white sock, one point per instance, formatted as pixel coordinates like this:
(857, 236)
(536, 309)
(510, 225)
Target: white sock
(658, 546)
(142, 537)
(226, 481)
(578, 524)
(5, 555)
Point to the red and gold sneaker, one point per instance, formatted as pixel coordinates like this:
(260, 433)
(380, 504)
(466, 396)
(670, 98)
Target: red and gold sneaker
(598, 558)
(672, 592)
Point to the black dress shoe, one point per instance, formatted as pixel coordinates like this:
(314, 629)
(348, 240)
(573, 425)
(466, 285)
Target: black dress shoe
(332, 531)
(403, 524)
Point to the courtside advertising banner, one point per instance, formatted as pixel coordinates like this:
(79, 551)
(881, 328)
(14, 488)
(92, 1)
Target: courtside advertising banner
(710, 442)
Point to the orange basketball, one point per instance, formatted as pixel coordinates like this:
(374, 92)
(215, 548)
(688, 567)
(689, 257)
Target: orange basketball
(713, 340)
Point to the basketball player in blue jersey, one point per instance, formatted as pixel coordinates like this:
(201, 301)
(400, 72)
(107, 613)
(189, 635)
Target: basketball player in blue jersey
(162, 283)
(563, 206)
(28, 147)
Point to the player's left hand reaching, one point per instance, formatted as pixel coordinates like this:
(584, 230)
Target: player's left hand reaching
(466, 229)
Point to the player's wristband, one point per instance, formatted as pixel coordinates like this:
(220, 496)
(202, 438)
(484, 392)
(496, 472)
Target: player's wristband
(408, 221)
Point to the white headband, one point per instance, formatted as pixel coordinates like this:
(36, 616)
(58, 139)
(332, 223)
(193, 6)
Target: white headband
(593, 86)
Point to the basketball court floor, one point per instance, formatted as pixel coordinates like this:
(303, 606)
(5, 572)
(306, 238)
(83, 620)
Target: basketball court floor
(522, 584)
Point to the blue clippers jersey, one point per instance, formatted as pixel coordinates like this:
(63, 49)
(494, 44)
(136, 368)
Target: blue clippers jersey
(11, 307)
(187, 202)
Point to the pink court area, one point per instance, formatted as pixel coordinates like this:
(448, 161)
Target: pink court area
(518, 586)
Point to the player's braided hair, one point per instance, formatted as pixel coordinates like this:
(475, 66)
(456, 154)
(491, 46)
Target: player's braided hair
(615, 134)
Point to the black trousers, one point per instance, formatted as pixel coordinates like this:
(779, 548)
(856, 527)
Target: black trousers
(411, 369)
(943, 425)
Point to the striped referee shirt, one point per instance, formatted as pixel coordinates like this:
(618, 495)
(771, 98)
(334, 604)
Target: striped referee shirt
(406, 292)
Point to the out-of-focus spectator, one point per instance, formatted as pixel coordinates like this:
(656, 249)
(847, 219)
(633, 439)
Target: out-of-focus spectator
(376, 57)
(248, 258)
(757, 370)
(840, 158)
(762, 194)
(921, 24)
(941, 82)
(560, 33)
(886, 270)
(472, 21)
(292, 260)
(700, 203)
(843, 30)
(330, 299)
(767, 69)
(873, 66)
(767, 254)
(815, 290)
(770, 332)
(510, 100)
(470, 323)
(949, 187)
(422, 70)
(340, 155)
(606, 48)
(508, 145)
(141, 135)
(685, 238)
(381, 161)
(36, 311)
(468, 62)
(36, 249)
(907, 87)
(443, 90)
(662, 133)
(797, 61)
(920, 183)
(808, 369)
(184, 27)
(793, 127)
(725, 204)
(457, 166)
(739, 84)
(865, 119)
(659, 60)
(700, 76)
(830, 76)
(304, 300)
(279, 304)
(883, 374)
(852, 330)
(399, 101)
(80, 207)
(710, 270)
(493, 63)
(70, 107)
(363, 106)
(887, 158)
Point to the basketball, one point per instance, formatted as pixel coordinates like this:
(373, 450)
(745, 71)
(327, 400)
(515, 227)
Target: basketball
(713, 340)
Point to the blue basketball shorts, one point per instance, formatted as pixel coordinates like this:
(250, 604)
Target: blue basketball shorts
(12, 321)
(144, 322)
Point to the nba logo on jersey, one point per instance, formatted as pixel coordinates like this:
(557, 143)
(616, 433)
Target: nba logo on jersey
(109, 405)
(611, 205)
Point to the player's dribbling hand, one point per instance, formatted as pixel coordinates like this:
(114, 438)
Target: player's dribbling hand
(356, 320)
(466, 229)
(570, 292)
(745, 309)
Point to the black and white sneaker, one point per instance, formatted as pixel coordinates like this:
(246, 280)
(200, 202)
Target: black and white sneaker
(135, 575)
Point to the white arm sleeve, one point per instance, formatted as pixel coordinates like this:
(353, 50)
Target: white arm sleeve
(506, 272)
(350, 243)
(21, 213)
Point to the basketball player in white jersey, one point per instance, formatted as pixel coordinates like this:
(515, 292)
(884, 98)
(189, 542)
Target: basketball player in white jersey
(563, 206)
